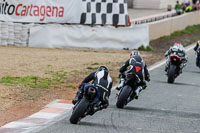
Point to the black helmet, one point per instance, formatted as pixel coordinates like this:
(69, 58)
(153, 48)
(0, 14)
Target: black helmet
(134, 53)
(103, 68)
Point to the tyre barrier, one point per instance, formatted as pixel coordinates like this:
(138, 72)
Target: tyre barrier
(14, 33)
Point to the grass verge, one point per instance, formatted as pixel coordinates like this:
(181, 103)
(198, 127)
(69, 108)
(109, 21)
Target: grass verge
(55, 78)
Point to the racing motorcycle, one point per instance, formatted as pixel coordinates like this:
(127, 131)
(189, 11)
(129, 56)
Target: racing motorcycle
(87, 104)
(127, 92)
(198, 57)
(175, 67)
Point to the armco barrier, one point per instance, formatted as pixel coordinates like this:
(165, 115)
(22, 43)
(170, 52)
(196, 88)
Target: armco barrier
(166, 27)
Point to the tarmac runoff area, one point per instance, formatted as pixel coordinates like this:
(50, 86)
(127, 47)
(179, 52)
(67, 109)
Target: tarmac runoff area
(52, 113)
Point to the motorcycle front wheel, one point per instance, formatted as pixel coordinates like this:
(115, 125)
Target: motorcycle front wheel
(171, 73)
(198, 61)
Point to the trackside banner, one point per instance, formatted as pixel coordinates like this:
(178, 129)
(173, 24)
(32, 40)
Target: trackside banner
(65, 11)
(41, 11)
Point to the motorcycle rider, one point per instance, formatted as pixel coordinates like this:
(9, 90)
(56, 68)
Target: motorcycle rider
(101, 79)
(177, 47)
(134, 57)
(195, 49)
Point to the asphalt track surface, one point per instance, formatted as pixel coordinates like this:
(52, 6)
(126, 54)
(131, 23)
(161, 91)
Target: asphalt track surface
(162, 108)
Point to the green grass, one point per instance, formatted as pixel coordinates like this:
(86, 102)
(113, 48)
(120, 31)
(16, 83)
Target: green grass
(71, 86)
(96, 63)
(92, 68)
(142, 48)
(108, 62)
(56, 78)
(147, 48)
(57, 74)
(198, 37)
(186, 31)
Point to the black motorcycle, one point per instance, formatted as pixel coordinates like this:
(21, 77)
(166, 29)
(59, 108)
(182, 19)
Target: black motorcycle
(198, 57)
(174, 68)
(85, 106)
(127, 92)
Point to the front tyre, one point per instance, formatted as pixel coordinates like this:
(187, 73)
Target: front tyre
(79, 111)
(123, 96)
(198, 61)
(171, 73)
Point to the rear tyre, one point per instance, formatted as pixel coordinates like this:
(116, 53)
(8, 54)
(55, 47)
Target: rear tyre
(123, 96)
(171, 73)
(79, 111)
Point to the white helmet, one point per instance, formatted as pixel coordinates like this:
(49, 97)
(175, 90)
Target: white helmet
(134, 53)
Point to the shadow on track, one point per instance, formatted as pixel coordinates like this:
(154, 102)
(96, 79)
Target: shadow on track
(159, 112)
(176, 83)
(93, 124)
(195, 72)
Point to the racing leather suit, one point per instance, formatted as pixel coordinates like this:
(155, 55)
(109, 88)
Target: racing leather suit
(100, 79)
(174, 49)
(129, 62)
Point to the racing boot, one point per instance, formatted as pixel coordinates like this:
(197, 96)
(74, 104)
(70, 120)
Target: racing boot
(166, 68)
(182, 65)
(78, 96)
(144, 85)
(137, 91)
(121, 84)
(97, 108)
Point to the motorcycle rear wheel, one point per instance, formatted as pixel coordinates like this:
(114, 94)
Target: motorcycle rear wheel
(123, 96)
(79, 111)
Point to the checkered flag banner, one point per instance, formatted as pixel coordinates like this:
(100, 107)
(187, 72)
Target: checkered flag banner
(92, 12)
(104, 12)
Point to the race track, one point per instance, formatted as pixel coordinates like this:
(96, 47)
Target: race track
(162, 108)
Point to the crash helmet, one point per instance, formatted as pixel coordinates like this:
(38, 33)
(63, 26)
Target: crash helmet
(134, 53)
(178, 46)
(103, 68)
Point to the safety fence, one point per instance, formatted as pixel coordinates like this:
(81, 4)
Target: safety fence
(153, 18)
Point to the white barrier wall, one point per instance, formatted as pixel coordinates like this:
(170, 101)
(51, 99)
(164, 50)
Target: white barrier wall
(167, 26)
(64, 36)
